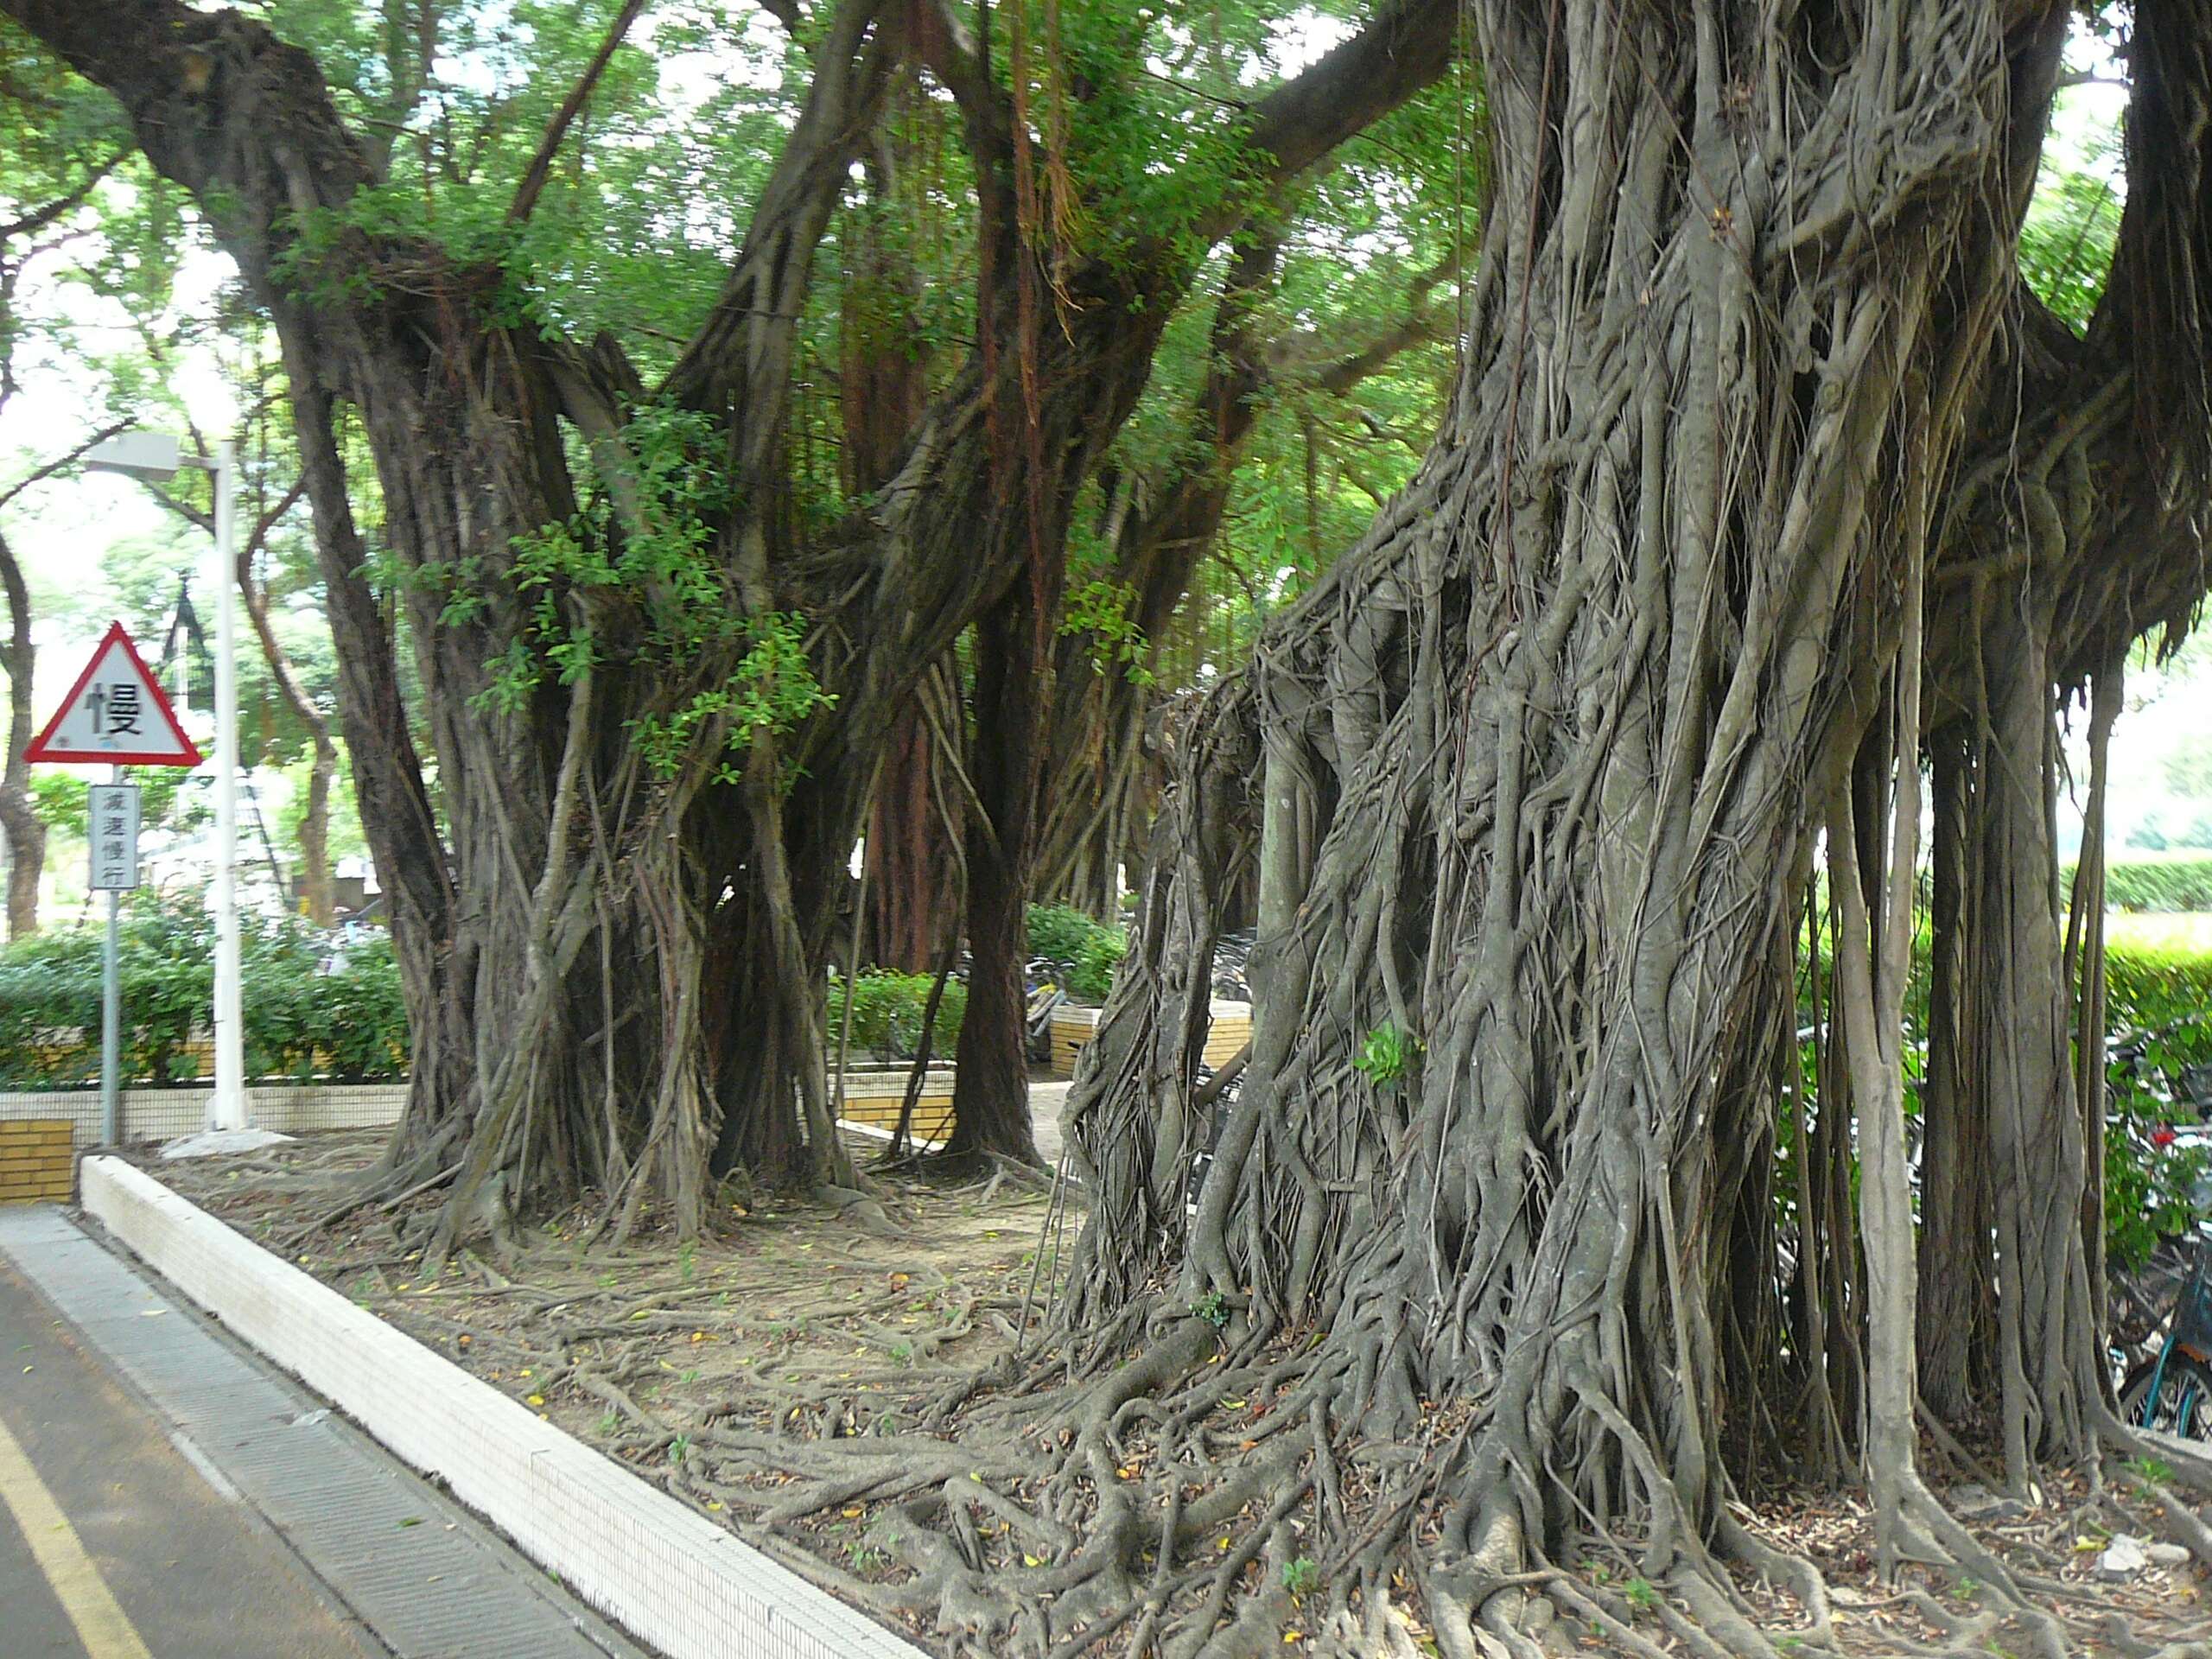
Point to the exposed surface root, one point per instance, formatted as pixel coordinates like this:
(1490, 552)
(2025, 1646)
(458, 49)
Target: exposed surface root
(1184, 1494)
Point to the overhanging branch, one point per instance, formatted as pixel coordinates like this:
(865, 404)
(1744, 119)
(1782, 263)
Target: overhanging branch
(1409, 44)
(39, 217)
(549, 147)
(61, 462)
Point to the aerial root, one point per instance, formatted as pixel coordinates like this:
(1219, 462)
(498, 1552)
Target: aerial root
(1715, 1612)
(1052, 1544)
(1605, 1619)
(1959, 1547)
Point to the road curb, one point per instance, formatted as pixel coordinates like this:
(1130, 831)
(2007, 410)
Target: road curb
(670, 1577)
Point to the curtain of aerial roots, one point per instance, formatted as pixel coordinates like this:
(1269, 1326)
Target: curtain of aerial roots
(1872, 845)
(2008, 1126)
(1539, 760)
(588, 1072)
(1104, 778)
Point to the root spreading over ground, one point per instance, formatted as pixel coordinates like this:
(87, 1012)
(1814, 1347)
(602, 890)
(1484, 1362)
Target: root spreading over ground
(839, 1386)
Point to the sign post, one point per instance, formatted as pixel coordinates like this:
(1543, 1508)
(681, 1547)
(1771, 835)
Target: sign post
(114, 715)
(113, 835)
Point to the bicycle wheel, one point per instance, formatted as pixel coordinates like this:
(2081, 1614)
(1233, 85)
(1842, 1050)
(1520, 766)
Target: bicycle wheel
(2184, 1407)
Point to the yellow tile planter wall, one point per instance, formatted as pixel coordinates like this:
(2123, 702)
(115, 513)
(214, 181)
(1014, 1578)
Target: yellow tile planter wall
(164, 1114)
(875, 1098)
(1072, 1029)
(1229, 1030)
(35, 1156)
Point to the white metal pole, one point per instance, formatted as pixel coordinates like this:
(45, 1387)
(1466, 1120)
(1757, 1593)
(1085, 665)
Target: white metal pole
(228, 1110)
(111, 1006)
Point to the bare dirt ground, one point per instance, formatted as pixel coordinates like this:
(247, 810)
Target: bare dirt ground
(691, 1364)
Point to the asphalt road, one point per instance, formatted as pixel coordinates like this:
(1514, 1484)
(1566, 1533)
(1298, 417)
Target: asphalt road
(113, 1545)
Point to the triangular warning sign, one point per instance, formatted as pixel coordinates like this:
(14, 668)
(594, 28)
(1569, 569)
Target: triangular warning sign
(115, 716)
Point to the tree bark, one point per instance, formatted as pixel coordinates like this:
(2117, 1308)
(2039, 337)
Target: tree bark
(990, 1091)
(2072, 529)
(19, 819)
(882, 390)
(1958, 1304)
(1552, 740)
(909, 865)
(2016, 1029)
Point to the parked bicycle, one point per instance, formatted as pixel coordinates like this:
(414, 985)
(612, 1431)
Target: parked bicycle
(2161, 1313)
(1044, 989)
(2171, 1391)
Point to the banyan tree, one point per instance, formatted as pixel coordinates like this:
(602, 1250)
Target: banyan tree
(1768, 481)
(658, 699)
(1770, 500)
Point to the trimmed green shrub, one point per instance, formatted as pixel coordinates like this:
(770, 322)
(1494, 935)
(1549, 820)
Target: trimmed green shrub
(299, 1021)
(1087, 952)
(1058, 933)
(2153, 881)
(888, 1010)
(1093, 978)
(2149, 987)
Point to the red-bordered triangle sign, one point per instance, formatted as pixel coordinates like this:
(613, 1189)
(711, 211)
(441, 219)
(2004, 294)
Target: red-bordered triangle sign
(115, 716)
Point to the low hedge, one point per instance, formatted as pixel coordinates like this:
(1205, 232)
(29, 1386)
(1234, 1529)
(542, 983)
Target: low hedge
(887, 1009)
(1086, 952)
(2155, 881)
(299, 1021)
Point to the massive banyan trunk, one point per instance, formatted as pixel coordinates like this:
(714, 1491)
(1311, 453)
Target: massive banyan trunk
(552, 930)
(1542, 760)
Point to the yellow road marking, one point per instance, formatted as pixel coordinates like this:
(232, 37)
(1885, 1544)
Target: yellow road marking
(60, 1555)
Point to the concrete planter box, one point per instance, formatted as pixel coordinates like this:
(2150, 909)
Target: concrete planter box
(1072, 1027)
(674, 1579)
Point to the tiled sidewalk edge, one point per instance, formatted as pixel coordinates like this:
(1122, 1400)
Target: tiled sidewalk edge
(669, 1576)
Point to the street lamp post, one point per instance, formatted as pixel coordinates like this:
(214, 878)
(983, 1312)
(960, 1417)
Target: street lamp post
(229, 1110)
(155, 455)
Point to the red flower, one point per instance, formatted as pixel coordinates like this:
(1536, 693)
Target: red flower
(2163, 1136)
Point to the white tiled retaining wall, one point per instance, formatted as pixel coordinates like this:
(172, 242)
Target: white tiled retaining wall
(165, 1113)
(667, 1575)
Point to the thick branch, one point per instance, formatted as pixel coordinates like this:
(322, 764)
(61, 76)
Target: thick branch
(739, 360)
(38, 218)
(1407, 46)
(61, 463)
(556, 129)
